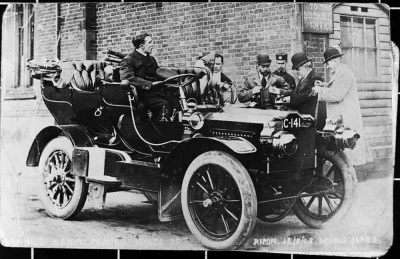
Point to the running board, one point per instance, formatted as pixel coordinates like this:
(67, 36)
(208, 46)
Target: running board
(97, 164)
(139, 175)
(106, 180)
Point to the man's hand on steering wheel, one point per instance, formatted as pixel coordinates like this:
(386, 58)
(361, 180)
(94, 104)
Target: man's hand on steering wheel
(156, 84)
(187, 79)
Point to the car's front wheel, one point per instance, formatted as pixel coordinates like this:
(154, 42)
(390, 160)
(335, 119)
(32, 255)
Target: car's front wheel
(334, 192)
(62, 193)
(219, 201)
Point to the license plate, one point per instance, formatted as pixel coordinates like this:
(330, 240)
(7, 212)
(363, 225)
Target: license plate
(292, 122)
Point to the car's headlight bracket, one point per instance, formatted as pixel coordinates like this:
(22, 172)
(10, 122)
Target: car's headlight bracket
(284, 143)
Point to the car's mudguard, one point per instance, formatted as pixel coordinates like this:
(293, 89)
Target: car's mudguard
(174, 169)
(75, 133)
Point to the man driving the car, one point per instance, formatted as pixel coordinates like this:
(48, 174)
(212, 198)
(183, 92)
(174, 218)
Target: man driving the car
(261, 91)
(138, 68)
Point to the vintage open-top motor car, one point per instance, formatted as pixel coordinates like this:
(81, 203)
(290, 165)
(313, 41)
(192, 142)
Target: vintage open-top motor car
(221, 168)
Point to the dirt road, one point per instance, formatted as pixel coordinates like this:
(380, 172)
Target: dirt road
(129, 222)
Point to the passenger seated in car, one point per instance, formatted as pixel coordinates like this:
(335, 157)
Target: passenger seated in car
(201, 89)
(216, 86)
(221, 82)
(139, 68)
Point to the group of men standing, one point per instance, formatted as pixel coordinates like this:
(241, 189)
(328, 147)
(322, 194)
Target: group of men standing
(339, 94)
(311, 95)
(261, 91)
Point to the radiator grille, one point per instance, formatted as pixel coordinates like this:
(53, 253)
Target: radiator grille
(233, 133)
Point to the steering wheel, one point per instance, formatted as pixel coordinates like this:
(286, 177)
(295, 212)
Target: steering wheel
(183, 80)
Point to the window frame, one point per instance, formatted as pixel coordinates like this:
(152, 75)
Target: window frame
(21, 85)
(376, 78)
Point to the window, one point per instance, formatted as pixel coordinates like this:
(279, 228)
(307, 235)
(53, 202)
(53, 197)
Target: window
(359, 44)
(17, 35)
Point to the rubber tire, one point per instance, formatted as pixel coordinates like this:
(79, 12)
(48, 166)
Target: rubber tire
(79, 196)
(347, 170)
(247, 191)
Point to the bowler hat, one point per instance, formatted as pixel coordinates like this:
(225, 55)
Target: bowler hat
(263, 59)
(331, 53)
(281, 56)
(299, 59)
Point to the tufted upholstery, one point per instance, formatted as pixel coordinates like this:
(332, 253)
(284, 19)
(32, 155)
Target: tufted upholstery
(82, 75)
(192, 90)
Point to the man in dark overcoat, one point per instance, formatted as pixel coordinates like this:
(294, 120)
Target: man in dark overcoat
(139, 68)
(304, 102)
(301, 99)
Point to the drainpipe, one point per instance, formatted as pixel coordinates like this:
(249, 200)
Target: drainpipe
(58, 30)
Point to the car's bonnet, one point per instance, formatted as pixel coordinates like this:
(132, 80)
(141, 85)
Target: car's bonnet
(247, 115)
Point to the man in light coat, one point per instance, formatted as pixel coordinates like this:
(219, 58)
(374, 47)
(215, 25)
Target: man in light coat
(341, 97)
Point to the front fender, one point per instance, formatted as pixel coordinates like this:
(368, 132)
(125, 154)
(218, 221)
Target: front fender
(75, 133)
(177, 162)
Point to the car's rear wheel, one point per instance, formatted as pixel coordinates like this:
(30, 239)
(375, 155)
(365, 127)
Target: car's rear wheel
(219, 201)
(336, 185)
(62, 193)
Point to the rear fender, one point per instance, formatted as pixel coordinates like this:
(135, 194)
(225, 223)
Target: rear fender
(75, 133)
(174, 169)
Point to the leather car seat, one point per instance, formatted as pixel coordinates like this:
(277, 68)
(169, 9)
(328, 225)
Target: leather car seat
(191, 90)
(82, 75)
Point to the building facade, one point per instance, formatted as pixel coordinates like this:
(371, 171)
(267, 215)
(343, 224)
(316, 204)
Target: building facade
(238, 31)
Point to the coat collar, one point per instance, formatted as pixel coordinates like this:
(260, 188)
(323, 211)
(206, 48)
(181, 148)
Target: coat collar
(139, 55)
(307, 76)
(338, 71)
(305, 80)
(270, 79)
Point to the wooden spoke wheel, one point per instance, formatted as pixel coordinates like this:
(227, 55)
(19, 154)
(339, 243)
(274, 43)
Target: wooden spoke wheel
(62, 193)
(335, 185)
(219, 202)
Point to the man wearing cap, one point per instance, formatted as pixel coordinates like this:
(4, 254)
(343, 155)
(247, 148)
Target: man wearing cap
(138, 68)
(341, 97)
(301, 98)
(261, 91)
(281, 60)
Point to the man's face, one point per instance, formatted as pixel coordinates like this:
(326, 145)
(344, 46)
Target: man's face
(281, 64)
(148, 45)
(264, 69)
(332, 65)
(217, 65)
(302, 71)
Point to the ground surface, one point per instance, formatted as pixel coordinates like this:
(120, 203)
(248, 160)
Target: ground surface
(129, 222)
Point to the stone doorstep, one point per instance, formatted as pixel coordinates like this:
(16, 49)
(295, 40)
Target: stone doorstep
(379, 168)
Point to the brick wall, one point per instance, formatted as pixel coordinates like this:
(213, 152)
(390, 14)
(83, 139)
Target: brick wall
(77, 26)
(315, 45)
(71, 28)
(45, 31)
(182, 30)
